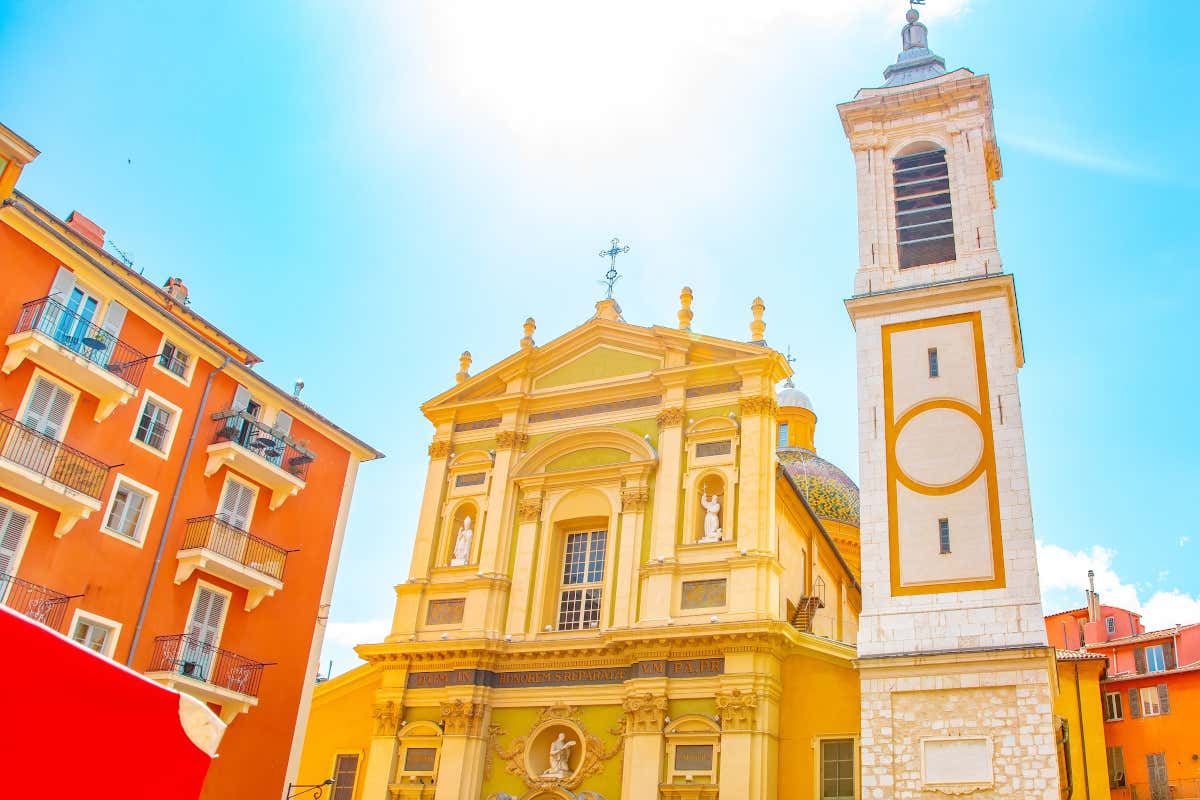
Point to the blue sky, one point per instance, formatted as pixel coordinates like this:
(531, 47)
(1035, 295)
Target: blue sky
(361, 191)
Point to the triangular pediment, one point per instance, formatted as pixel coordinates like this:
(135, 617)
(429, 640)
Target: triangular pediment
(597, 351)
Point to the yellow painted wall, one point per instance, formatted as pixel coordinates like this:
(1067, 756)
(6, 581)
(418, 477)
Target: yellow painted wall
(590, 457)
(1086, 731)
(603, 362)
(820, 700)
(340, 722)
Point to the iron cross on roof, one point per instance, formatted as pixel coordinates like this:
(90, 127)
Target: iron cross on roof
(612, 276)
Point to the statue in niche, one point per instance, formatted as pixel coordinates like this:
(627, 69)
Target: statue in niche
(712, 518)
(560, 755)
(462, 545)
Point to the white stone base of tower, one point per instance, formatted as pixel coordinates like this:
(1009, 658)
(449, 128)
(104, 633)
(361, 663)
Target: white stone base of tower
(976, 724)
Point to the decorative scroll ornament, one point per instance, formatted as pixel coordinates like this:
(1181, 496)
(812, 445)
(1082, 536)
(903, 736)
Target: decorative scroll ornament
(634, 498)
(515, 756)
(439, 449)
(385, 715)
(462, 719)
(758, 405)
(738, 709)
(669, 417)
(529, 509)
(645, 713)
(512, 439)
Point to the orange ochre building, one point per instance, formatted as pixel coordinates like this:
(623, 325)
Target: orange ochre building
(1150, 697)
(160, 502)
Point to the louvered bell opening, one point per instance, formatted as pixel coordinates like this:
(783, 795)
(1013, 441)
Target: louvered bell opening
(924, 222)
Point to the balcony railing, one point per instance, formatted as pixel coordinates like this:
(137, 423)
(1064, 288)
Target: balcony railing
(83, 338)
(189, 657)
(47, 456)
(217, 535)
(244, 430)
(36, 602)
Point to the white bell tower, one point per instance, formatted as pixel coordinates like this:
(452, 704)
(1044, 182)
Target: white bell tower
(955, 671)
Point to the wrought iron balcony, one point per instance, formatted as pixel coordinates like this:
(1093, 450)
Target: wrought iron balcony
(260, 453)
(51, 472)
(185, 662)
(213, 545)
(80, 351)
(37, 602)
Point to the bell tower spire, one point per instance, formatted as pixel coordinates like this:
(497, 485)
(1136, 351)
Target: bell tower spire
(916, 61)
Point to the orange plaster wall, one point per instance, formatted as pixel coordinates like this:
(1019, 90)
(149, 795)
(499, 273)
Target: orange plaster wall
(114, 573)
(1173, 733)
(820, 700)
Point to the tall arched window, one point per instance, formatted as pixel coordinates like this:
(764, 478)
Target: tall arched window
(924, 223)
(582, 580)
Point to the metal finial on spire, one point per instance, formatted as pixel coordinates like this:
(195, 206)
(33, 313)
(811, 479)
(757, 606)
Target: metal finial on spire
(916, 61)
(790, 359)
(612, 276)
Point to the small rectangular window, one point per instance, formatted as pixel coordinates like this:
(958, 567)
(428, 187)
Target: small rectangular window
(154, 425)
(1112, 707)
(174, 360)
(127, 509)
(1116, 768)
(1154, 659)
(345, 770)
(933, 362)
(783, 435)
(1110, 624)
(583, 571)
(837, 769)
(943, 536)
(92, 635)
(1151, 702)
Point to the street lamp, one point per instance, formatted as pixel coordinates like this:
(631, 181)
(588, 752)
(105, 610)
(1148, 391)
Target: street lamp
(304, 788)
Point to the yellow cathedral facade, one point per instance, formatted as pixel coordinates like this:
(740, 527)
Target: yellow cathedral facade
(634, 577)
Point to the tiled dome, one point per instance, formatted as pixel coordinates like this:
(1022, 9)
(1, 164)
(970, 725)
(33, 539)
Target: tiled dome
(829, 491)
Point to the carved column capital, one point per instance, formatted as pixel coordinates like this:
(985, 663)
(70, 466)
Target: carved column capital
(669, 417)
(529, 509)
(738, 709)
(386, 716)
(758, 405)
(645, 712)
(439, 449)
(634, 498)
(514, 439)
(461, 718)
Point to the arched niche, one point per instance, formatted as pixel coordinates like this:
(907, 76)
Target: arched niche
(455, 517)
(709, 490)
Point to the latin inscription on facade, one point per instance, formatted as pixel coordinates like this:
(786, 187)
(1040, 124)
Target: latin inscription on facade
(419, 759)
(445, 612)
(694, 758)
(703, 594)
(685, 668)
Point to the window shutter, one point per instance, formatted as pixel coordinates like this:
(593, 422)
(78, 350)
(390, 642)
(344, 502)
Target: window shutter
(1135, 704)
(241, 398)
(1139, 660)
(47, 409)
(1164, 702)
(1169, 654)
(64, 282)
(114, 318)
(205, 624)
(12, 531)
(283, 422)
(237, 504)
(1117, 710)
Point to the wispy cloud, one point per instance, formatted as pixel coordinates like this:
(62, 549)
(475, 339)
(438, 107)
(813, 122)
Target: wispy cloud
(349, 634)
(1064, 578)
(1183, 540)
(1061, 149)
